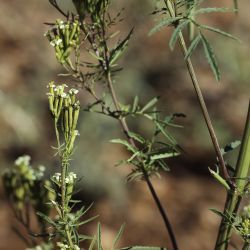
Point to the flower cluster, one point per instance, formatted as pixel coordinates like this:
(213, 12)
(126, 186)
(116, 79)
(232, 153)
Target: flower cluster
(65, 108)
(69, 184)
(243, 226)
(246, 212)
(63, 37)
(24, 184)
(43, 246)
(63, 246)
(70, 179)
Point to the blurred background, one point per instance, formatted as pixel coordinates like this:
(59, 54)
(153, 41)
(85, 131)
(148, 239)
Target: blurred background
(27, 64)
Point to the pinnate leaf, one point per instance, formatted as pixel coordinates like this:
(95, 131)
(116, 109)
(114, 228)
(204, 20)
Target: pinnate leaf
(211, 58)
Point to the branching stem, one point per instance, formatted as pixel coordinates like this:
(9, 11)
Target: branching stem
(145, 175)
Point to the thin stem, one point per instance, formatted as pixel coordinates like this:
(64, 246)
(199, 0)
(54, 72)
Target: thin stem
(201, 100)
(57, 133)
(149, 183)
(64, 166)
(63, 188)
(162, 212)
(204, 110)
(71, 244)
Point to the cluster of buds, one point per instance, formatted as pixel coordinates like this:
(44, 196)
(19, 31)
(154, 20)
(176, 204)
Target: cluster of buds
(65, 109)
(64, 37)
(42, 246)
(23, 184)
(243, 226)
(63, 246)
(70, 180)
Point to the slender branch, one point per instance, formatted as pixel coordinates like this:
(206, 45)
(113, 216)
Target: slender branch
(204, 110)
(162, 212)
(201, 100)
(57, 133)
(145, 175)
(55, 5)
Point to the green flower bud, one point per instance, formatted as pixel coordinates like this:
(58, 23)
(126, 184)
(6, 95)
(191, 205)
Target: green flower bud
(20, 193)
(75, 133)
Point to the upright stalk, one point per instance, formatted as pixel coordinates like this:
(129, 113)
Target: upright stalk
(64, 167)
(234, 198)
(126, 131)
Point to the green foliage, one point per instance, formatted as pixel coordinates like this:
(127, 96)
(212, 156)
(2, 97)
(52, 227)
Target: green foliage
(24, 186)
(182, 14)
(64, 37)
(240, 223)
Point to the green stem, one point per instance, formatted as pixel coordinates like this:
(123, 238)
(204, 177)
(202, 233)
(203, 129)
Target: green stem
(157, 201)
(63, 188)
(71, 244)
(234, 198)
(57, 133)
(64, 167)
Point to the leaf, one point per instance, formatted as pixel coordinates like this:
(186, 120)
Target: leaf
(95, 56)
(211, 57)
(209, 10)
(118, 236)
(163, 131)
(46, 218)
(229, 147)
(133, 157)
(87, 221)
(176, 33)
(118, 51)
(135, 104)
(158, 156)
(217, 212)
(92, 244)
(163, 23)
(192, 46)
(99, 235)
(219, 179)
(150, 104)
(136, 137)
(162, 165)
(84, 237)
(52, 190)
(125, 143)
(221, 32)
(143, 248)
